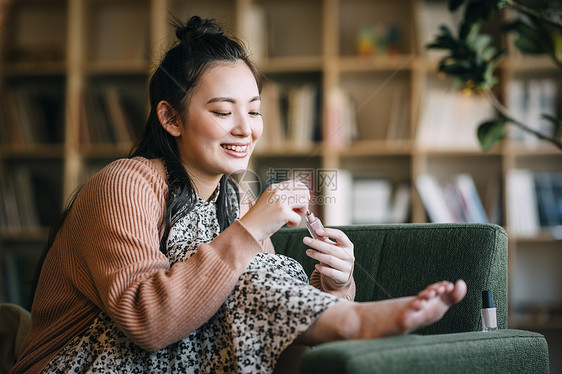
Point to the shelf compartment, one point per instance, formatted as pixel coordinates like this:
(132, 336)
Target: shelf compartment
(113, 110)
(294, 28)
(25, 36)
(224, 11)
(32, 110)
(536, 280)
(19, 262)
(381, 102)
(25, 184)
(375, 28)
(117, 32)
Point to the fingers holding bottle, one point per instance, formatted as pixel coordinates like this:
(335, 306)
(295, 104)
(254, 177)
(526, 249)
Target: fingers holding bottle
(334, 252)
(290, 197)
(280, 204)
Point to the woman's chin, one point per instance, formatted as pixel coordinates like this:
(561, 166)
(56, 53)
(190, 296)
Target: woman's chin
(236, 168)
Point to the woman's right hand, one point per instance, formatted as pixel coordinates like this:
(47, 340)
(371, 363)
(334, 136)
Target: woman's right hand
(280, 204)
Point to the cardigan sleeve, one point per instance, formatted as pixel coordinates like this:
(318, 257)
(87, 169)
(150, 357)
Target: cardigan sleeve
(127, 275)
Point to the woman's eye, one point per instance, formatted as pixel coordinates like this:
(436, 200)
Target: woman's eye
(221, 114)
(255, 114)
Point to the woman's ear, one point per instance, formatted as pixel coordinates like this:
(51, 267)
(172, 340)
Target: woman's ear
(168, 118)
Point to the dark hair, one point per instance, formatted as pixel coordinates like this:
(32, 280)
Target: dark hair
(201, 45)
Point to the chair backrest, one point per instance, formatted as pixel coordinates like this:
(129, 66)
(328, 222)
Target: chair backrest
(401, 259)
(14, 325)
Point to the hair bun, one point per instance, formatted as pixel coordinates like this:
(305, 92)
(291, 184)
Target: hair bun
(197, 27)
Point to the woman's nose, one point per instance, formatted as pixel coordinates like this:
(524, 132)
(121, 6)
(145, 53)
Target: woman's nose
(242, 127)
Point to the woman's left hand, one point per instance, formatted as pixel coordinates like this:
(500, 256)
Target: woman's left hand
(335, 255)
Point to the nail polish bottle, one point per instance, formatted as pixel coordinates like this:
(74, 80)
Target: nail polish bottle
(488, 312)
(313, 224)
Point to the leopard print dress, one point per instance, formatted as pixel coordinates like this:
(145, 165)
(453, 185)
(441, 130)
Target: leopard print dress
(271, 304)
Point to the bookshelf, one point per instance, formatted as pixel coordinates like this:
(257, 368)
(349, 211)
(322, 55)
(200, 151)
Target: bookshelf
(363, 59)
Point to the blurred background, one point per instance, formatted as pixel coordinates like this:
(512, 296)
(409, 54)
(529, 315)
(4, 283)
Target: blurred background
(353, 105)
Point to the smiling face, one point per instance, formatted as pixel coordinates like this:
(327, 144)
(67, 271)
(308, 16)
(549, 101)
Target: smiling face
(222, 123)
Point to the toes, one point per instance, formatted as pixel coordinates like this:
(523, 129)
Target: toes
(416, 304)
(459, 291)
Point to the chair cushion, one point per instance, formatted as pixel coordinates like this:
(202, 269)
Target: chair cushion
(505, 351)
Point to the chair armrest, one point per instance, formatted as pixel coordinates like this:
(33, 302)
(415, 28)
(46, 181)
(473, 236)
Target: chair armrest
(505, 351)
(401, 259)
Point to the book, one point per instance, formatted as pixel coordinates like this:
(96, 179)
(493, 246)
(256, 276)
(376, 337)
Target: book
(522, 213)
(398, 116)
(433, 199)
(292, 115)
(106, 117)
(274, 133)
(454, 199)
(400, 205)
(31, 115)
(516, 104)
(122, 126)
(338, 206)
(371, 200)
(341, 118)
(474, 210)
(302, 115)
(527, 101)
(450, 119)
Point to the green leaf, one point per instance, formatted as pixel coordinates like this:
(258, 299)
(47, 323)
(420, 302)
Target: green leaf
(481, 42)
(477, 10)
(490, 132)
(455, 4)
(528, 46)
(529, 39)
(472, 35)
(557, 122)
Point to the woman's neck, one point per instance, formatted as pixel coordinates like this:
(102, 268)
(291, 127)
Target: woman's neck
(204, 185)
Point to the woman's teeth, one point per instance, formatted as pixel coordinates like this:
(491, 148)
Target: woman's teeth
(235, 148)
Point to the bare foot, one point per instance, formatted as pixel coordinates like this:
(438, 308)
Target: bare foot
(430, 305)
(350, 320)
(405, 314)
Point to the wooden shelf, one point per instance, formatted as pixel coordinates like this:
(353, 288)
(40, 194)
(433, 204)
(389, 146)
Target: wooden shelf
(106, 42)
(289, 151)
(529, 64)
(133, 67)
(24, 234)
(33, 68)
(32, 151)
(527, 150)
(291, 64)
(545, 236)
(532, 321)
(377, 148)
(105, 150)
(377, 63)
(445, 152)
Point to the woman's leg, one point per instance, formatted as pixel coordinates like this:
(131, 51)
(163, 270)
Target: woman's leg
(350, 320)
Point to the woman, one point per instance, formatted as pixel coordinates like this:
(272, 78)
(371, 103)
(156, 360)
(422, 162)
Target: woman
(159, 267)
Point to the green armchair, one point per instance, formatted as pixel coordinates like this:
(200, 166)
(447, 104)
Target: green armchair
(400, 260)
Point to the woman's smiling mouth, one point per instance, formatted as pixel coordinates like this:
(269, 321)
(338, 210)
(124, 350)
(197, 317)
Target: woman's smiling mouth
(236, 149)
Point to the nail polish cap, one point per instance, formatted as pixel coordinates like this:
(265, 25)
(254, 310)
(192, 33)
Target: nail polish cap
(487, 299)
